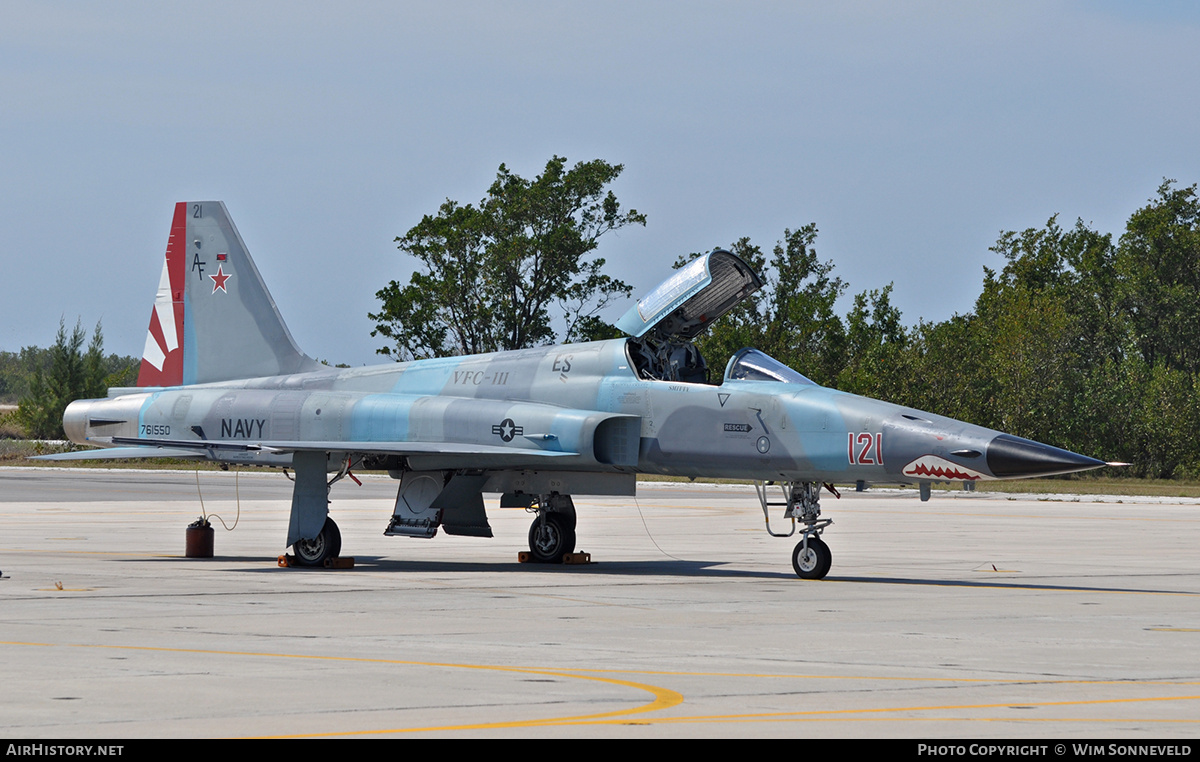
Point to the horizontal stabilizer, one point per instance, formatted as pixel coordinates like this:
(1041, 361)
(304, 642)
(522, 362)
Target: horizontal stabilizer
(122, 453)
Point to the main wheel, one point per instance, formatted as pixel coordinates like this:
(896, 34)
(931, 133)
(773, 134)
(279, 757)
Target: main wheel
(551, 539)
(327, 544)
(812, 562)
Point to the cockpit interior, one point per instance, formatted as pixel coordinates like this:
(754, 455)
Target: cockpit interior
(662, 325)
(682, 362)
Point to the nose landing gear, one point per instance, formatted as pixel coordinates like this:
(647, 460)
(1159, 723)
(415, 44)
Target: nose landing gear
(801, 502)
(811, 559)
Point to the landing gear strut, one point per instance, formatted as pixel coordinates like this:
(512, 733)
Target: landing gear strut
(802, 502)
(313, 535)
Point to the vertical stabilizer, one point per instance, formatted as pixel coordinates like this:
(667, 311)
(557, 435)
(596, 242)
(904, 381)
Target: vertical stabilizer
(213, 318)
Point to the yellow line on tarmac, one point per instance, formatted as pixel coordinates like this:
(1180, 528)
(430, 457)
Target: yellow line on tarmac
(823, 715)
(843, 715)
(664, 698)
(884, 678)
(820, 715)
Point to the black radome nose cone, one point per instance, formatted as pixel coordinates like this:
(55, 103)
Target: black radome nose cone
(1012, 457)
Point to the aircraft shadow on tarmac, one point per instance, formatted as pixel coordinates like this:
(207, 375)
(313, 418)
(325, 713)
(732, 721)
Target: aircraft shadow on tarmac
(380, 564)
(662, 567)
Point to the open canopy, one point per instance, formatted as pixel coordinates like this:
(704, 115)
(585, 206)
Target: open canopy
(682, 306)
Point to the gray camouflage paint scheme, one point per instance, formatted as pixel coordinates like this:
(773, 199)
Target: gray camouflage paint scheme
(571, 419)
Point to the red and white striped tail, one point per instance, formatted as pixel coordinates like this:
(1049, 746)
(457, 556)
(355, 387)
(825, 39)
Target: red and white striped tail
(162, 359)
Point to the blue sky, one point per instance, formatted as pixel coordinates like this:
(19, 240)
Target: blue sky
(910, 133)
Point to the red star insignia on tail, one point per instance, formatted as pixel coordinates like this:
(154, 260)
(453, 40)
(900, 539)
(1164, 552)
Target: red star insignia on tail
(219, 280)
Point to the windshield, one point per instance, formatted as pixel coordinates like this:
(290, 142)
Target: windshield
(753, 365)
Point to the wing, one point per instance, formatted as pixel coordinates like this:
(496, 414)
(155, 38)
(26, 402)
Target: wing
(434, 454)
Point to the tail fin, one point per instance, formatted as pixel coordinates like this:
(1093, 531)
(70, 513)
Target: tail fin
(213, 318)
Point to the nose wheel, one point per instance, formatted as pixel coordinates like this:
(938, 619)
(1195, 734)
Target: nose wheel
(811, 559)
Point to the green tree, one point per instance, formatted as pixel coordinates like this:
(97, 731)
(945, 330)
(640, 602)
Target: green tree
(1022, 361)
(36, 412)
(493, 276)
(1169, 421)
(94, 375)
(1033, 363)
(792, 317)
(876, 356)
(948, 375)
(72, 374)
(1158, 261)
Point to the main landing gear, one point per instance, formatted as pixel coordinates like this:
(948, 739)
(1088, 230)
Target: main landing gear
(313, 535)
(802, 502)
(327, 544)
(552, 534)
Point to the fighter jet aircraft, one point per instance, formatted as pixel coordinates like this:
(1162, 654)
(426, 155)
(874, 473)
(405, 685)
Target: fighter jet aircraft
(222, 379)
